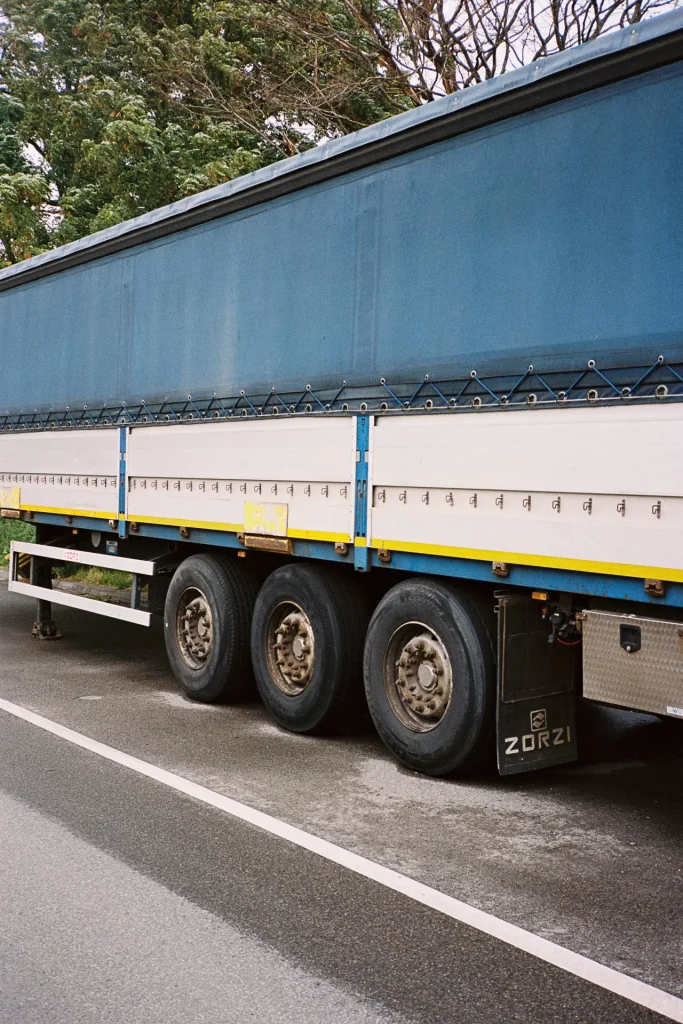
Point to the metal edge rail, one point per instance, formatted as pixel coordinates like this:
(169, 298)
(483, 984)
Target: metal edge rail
(659, 381)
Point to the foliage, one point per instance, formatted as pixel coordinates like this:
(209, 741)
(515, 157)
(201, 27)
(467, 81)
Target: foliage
(93, 576)
(13, 529)
(291, 73)
(110, 108)
(23, 190)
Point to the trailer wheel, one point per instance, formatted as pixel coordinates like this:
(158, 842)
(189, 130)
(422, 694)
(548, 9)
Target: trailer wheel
(306, 646)
(430, 677)
(207, 618)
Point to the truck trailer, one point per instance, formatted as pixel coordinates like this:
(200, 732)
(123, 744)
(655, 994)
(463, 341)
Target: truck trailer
(393, 423)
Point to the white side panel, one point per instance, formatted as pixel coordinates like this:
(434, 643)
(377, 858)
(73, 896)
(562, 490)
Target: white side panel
(204, 473)
(592, 450)
(587, 488)
(265, 449)
(73, 471)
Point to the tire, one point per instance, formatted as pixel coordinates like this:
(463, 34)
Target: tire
(217, 668)
(318, 686)
(429, 670)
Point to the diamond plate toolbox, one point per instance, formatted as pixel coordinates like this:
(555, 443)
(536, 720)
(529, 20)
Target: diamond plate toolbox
(633, 662)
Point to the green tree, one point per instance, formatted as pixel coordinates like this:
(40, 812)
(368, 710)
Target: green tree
(290, 72)
(115, 107)
(23, 190)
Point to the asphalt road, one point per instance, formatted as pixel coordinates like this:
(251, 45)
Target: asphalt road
(124, 901)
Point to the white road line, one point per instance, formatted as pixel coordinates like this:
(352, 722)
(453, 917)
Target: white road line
(581, 966)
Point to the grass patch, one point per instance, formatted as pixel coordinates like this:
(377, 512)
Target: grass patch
(13, 529)
(95, 576)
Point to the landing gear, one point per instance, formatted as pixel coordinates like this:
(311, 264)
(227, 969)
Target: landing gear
(40, 575)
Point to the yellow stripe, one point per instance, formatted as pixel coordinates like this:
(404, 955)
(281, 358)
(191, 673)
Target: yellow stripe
(198, 524)
(70, 511)
(334, 538)
(360, 542)
(542, 561)
(238, 528)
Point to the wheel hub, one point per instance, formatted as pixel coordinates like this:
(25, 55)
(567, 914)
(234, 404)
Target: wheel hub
(194, 628)
(427, 676)
(422, 678)
(293, 646)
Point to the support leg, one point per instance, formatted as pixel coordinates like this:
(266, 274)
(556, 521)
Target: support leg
(44, 628)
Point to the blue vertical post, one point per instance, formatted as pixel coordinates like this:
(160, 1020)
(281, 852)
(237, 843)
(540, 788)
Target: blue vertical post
(361, 558)
(123, 439)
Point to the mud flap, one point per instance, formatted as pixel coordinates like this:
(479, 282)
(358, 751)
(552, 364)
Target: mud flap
(536, 707)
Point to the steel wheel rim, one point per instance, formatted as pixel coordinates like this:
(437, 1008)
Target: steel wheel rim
(290, 648)
(194, 628)
(418, 677)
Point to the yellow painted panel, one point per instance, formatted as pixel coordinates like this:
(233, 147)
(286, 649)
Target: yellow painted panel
(265, 517)
(10, 497)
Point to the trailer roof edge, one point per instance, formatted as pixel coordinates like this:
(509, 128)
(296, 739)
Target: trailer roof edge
(615, 56)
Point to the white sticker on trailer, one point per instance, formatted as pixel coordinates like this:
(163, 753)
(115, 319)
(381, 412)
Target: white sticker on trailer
(675, 711)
